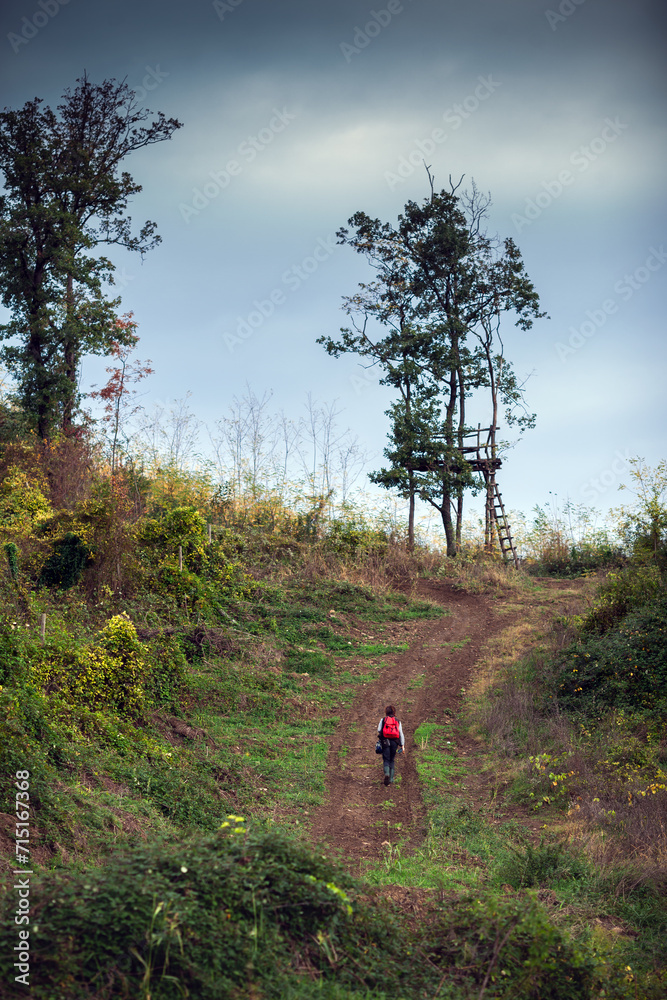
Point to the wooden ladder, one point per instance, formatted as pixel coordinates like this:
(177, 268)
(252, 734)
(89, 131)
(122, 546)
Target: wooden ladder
(507, 547)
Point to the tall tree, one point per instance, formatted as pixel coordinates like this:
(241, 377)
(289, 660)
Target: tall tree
(65, 195)
(441, 279)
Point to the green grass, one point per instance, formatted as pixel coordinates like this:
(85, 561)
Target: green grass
(259, 720)
(480, 850)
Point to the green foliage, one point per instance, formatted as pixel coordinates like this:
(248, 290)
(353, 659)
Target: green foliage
(11, 551)
(110, 674)
(620, 593)
(29, 738)
(643, 524)
(179, 526)
(200, 916)
(64, 193)
(523, 868)
(347, 537)
(165, 677)
(180, 584)
(107, 674)
(624, 668)
(23, 504)
(241, 913)
(513, 949)
(208, 576)
(65, 565)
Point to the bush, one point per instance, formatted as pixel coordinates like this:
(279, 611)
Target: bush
(620, 593)
(66, 563)
(624, 668)
(109, 674)
(508, 948)
(246, 914)
(349, 537)
(112, 672)
(165, 676)
(536, 866)
(180, 584)
(23, 504)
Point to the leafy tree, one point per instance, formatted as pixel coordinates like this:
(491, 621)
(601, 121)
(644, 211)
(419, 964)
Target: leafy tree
(442, 285)
(65, 195)
(643, 524)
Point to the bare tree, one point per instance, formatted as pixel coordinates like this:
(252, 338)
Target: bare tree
(170, 436)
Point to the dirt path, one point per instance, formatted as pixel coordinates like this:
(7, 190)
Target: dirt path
(424, 684)
(361, 815)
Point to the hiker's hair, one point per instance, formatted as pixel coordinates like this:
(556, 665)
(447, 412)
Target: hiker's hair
(390, 710)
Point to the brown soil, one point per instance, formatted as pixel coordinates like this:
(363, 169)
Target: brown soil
(361, 816)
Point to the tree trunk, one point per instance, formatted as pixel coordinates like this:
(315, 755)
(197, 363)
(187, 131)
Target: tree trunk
(459, 517)
(70, 358)
(446, 512)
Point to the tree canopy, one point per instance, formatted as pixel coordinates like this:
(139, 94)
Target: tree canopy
(442, 285)
(66, 195)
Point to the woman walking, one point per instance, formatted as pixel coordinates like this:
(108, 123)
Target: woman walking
(391, 736)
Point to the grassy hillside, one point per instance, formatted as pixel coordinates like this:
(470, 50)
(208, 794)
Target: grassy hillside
(169, 694)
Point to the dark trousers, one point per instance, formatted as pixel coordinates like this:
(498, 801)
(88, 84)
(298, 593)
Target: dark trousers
(389, 748)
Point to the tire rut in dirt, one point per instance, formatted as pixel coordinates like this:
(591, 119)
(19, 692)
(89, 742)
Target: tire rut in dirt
(361, 816)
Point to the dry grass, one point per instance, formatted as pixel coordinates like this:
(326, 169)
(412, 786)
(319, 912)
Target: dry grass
(617, 814)
(478, 573)
(394, 567)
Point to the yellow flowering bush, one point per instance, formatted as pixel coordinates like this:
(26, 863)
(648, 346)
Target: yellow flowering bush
(23, 505)
(111, 673)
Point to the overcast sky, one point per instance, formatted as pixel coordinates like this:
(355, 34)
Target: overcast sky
(297, 114)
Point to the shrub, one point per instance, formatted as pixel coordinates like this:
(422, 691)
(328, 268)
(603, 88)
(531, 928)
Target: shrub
(112, 672)
(66, 563)
(165, 675)
(175, 527)
(531, 866)
(349, 537)
(23, 504)
(109, 674)
(180, 584)
(246, 914)
(510, 949)
(624, 668)
(620, 593)
(11, 552)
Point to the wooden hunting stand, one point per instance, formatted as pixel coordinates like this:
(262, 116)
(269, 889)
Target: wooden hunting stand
(481, 456)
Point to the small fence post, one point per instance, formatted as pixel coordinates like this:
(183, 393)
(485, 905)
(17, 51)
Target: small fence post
(180, 558)
(42, 628)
